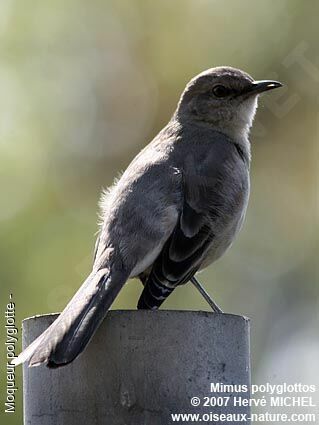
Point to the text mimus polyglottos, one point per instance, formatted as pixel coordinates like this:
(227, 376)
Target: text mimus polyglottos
(175, 210)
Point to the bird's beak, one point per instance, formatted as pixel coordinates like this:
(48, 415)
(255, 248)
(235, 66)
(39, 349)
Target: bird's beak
(258, 87)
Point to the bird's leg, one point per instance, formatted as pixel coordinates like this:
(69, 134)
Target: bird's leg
(205, 294)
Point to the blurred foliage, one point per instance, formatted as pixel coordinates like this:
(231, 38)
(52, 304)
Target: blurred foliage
(85, 85)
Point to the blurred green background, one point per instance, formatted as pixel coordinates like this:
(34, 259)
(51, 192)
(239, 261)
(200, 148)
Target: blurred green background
(85, 85)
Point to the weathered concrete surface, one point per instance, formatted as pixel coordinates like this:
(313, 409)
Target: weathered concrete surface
(140, 367)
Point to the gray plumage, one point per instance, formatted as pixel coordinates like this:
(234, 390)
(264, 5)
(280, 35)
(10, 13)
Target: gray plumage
(175, 210)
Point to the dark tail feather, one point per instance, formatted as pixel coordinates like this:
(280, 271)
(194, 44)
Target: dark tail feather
(69, 334)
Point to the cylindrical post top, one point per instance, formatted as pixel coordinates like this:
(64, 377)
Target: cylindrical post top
(139, 368)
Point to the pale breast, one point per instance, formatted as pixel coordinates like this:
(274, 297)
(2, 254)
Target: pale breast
(225, 232)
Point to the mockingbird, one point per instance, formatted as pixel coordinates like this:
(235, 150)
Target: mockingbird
(176, 209)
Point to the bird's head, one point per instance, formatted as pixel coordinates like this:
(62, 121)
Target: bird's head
(225, 98)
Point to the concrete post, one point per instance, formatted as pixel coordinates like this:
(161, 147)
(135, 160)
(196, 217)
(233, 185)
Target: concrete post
(139, 368)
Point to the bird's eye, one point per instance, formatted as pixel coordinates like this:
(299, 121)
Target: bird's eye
(220, 91)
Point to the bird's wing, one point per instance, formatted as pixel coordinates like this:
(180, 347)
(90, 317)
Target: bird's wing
(184, 250)
(211, 192)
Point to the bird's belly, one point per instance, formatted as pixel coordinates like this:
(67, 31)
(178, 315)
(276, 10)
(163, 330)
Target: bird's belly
(221, 243)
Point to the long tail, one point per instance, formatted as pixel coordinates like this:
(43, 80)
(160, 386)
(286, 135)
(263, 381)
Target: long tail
(69, 334)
